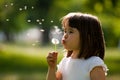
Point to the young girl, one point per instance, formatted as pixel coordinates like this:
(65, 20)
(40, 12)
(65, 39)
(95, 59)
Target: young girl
(83, 39)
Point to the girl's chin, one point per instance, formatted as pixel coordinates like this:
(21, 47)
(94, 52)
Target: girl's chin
(67, 48)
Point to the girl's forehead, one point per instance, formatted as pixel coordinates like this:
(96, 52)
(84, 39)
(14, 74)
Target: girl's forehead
(66, 25)
(68, 28)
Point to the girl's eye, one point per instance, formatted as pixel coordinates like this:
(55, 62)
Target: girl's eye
(65, 31)
(70, 31)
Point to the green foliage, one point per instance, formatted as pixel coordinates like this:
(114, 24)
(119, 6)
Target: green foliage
(13, 20)
(110, 28)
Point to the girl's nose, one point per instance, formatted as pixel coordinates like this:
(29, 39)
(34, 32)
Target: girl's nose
(65, 35)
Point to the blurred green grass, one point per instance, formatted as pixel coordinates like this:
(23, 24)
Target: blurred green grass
(18, 59)
(112, 59)
(24, 58)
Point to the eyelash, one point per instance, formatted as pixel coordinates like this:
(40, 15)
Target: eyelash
(68, 32)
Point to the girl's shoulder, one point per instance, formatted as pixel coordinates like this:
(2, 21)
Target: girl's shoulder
(95, 58)
(96, 61)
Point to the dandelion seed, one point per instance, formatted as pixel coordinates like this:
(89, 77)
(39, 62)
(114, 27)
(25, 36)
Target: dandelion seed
(42, 30)
(40, 23)
(29, 20)
(55, 27)
(51, 21)
(6, 5)
(37, 20)
(43, 20)
(7, 19)
(32, 7)
(11, 4)
(25, 7)
(20, 9)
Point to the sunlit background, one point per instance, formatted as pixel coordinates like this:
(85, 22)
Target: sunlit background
(28, 26)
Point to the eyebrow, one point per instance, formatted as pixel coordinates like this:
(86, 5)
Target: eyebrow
(67, 28)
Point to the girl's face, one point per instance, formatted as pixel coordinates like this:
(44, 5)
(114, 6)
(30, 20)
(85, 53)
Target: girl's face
(71, 38)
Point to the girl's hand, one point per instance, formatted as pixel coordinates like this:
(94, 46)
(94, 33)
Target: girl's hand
(52, 59)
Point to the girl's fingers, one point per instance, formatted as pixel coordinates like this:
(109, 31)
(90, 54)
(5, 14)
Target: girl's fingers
(52, 57)
(53, 54)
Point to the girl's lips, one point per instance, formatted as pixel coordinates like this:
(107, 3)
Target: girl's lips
(63, 41)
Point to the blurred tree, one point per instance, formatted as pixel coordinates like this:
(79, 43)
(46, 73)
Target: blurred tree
(15, 16)
(39, 10)
(9, 18)
(43, 12)
(108, 12)
(5, 19)
(23, 14)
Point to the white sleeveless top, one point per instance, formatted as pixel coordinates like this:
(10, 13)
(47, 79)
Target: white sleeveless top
(79, 69)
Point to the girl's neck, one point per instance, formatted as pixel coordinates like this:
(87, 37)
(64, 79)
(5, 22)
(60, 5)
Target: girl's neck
(75, 54)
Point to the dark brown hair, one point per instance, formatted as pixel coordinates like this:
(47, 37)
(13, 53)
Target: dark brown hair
(91, 34)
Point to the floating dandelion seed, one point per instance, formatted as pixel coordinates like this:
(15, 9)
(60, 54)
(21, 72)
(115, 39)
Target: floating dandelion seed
(55, 27)
(11, 4)
(32, 7)
(25, 7)
(55, 42)
(28, 20)
(42, 30)
(43, 20)
(6, 5)
(37, 20)
(40, 23)
(51, 21)
(20, 9)
(7, 19)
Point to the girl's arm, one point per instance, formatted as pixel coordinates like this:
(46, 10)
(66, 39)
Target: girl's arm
(58, 75)
(97, 73)
(52, 76)
(52, 61)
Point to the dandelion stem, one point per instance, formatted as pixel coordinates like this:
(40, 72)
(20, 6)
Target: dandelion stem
(55, 47)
